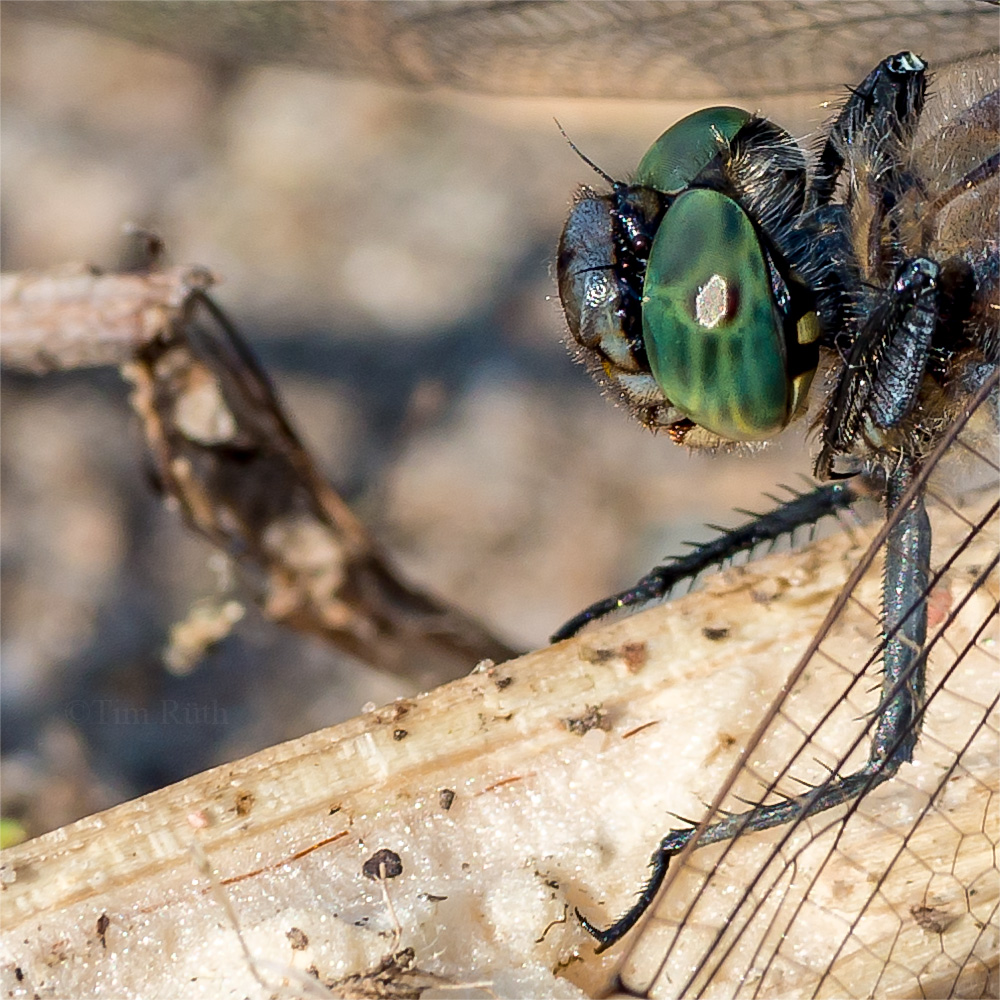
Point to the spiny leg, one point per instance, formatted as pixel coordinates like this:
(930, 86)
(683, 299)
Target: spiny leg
(896, 722)
(801, 511)
(879, 395)
(881, 379)
(871, 131)
(876, 390)
(885, 104)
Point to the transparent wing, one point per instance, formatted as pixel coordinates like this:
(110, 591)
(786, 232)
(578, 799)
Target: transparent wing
(896, 894)
(687, 49)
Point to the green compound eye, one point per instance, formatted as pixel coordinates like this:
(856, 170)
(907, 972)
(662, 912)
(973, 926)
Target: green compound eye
(713, 335)
(687, 147)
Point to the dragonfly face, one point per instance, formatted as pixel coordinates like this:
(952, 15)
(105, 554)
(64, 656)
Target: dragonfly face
(707, 293)
(701, 328)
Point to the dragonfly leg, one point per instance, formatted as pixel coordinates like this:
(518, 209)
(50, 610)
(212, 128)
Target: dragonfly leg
(888, 101)
(879, 385)
(895, 724)
(868, 132)
(801, 511)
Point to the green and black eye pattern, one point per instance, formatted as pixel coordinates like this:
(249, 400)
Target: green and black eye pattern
(700, 322)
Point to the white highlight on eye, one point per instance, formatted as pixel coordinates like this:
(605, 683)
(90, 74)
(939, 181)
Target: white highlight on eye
(711, 305)
(599, 290)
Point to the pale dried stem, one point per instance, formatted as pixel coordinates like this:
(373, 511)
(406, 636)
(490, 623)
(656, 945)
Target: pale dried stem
(536, 819)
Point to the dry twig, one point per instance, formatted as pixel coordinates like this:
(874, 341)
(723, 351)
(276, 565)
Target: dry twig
(226, 455)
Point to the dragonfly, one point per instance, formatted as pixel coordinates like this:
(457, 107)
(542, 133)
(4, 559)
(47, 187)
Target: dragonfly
(671, 292)
(702, 51)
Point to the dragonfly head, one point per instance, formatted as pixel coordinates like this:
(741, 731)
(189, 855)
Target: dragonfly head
(674, 296)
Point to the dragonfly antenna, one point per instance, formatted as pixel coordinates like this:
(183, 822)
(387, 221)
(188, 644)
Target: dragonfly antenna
(583, 156)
